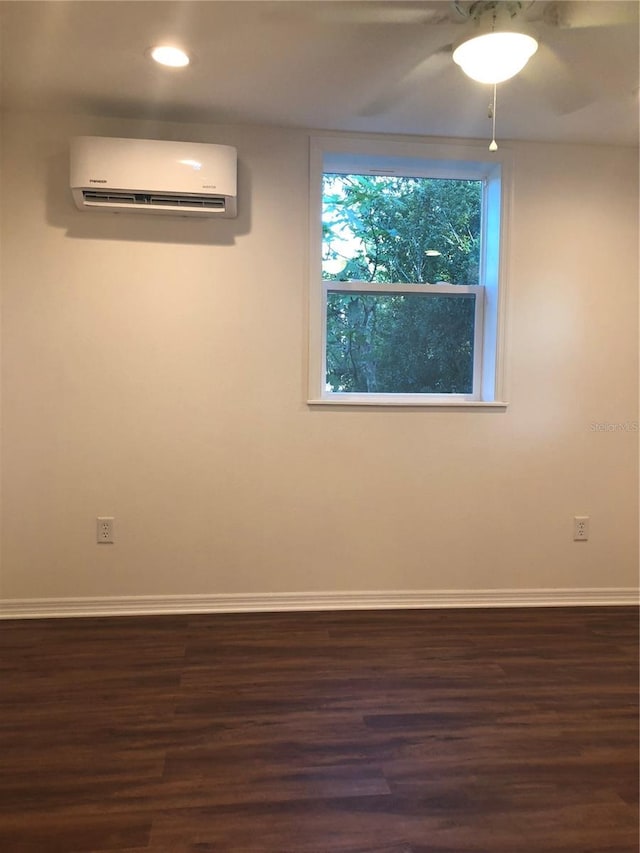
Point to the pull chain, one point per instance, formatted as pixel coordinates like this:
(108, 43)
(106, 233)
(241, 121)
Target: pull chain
(492, 112)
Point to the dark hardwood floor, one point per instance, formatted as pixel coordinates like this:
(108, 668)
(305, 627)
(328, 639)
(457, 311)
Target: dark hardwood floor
(371, 732)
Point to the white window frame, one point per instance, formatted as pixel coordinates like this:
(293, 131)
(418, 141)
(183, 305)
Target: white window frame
(365, 154)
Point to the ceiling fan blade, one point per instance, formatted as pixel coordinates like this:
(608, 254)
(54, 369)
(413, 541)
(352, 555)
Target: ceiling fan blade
(424, 54)
(420, 74)
(581, 14)
(375, 12)
(566, 91)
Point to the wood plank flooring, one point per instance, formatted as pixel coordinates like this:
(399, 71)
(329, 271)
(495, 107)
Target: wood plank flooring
(442, 731)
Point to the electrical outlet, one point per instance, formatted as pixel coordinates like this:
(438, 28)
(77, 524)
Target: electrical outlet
(581, 528)
(104, 530)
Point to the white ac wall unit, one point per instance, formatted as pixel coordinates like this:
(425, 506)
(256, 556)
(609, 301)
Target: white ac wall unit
(150, 176)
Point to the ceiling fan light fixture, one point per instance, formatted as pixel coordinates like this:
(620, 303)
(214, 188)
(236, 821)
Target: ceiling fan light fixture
(495, 57)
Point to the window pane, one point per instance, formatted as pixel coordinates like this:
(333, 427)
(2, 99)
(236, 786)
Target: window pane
(400, 229)
(409, 343)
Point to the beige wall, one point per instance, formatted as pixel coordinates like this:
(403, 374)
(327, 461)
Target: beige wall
(155, 370)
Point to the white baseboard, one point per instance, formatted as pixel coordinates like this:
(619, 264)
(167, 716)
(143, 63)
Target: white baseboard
(268, 602)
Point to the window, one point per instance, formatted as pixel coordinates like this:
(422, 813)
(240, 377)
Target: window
(404, 274)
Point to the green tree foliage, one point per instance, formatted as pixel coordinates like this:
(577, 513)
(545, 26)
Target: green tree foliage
(397, 230)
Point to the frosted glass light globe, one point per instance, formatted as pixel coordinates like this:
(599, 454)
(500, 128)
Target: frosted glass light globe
(495, 57)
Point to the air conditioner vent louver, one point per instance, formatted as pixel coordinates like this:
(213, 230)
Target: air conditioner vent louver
(187, 201)
(210, 202)
(106, 197)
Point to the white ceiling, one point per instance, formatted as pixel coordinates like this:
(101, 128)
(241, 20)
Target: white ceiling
(328, 64)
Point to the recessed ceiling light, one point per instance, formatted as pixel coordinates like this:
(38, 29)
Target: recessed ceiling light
(171, 56)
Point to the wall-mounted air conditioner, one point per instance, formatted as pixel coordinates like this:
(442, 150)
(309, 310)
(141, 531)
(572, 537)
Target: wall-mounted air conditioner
(150, 176)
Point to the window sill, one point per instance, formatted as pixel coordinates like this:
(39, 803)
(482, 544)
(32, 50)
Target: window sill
(409, 403)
